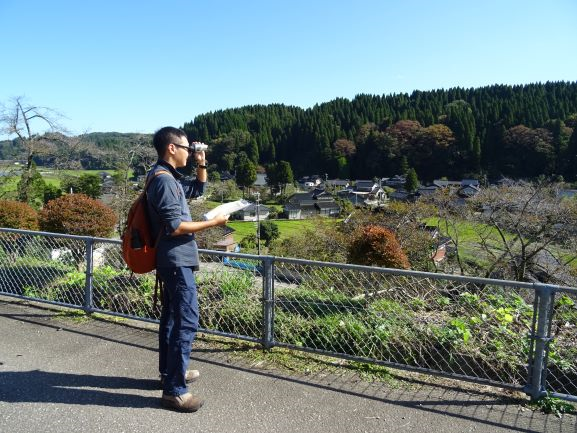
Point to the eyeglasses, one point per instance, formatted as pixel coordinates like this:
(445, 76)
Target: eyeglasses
(188, 149)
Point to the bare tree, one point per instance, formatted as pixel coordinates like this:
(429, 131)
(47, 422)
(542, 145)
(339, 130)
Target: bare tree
(141, 155)
(22, 120)
(450, 213)
(529, 231)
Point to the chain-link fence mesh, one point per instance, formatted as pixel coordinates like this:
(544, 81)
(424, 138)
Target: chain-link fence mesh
(230, 295)
(561, 376)
(43, 267)
(459, 327)
(118, 290)
(472, 328)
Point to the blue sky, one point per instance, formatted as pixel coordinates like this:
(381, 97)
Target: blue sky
(135, 66)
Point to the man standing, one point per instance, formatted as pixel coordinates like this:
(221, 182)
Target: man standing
(177, 260)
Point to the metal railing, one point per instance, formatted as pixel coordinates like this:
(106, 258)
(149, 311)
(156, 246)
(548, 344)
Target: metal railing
(502, 333)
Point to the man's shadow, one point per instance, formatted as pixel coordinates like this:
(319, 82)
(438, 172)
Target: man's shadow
(46, 387)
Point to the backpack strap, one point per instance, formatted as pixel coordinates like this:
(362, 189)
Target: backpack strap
(158, 285)
(149, 180)
(152, 176)
(158, 293)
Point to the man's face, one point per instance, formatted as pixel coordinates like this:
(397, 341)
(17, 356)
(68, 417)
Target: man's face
(181, 147)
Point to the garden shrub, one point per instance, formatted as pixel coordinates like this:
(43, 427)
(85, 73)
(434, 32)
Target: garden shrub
(18, 215)
(78, 214)
(374, 245)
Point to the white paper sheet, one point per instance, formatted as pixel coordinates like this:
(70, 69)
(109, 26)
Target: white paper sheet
(226, 209)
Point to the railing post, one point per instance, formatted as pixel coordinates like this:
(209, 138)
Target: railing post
(268, 301)
(540, 335)
(88, 307)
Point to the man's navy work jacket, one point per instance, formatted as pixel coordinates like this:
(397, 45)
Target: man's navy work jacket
(167, 208)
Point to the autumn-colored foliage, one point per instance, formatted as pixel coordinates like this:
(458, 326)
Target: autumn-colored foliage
(78, 214)
(18, 215)
(377, 245)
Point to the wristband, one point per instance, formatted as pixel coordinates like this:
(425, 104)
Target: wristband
(201, 166)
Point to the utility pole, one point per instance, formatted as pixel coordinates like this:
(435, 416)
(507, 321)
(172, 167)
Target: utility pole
(257, 194)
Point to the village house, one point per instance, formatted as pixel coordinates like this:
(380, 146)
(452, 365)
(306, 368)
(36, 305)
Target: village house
(442, 245)
(402, 195)
(311, 203)
(396, 181)
(468, 191)
(226, 243)
(427, 190)
(308, 182)
(447, 183)
(364, 193)
(337, 184)
(107, 185)
(249, 213)
(226, 175)
(465, 188)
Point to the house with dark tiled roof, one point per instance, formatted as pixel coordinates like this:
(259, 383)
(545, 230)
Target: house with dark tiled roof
(470, 182)
(249, 212)
(364, 193)
(427, 190)
(441, 183)
(337, 184)
(328, 208)
(307, 204)
(292, 211)
(465, 188)
(226, 243)
(396, 181)
(401, 195)
(226, 175)
(468, 191)
(367, 186)
(307, 182)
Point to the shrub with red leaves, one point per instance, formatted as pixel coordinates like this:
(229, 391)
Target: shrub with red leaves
(78, 214)
(18, 215)
(377, 245)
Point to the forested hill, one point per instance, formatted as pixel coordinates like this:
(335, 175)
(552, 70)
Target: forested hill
(520, 131)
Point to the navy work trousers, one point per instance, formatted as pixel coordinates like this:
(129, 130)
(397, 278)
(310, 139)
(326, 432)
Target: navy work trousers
(178, 326)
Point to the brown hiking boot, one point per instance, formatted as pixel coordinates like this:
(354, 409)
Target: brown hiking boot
(191, 376)
(182, 403)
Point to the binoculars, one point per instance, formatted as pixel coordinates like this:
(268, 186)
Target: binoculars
(198, 147)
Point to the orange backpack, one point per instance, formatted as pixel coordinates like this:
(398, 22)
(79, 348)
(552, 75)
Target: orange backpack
(138, 248)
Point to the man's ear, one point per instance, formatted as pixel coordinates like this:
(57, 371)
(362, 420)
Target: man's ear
(170, 150)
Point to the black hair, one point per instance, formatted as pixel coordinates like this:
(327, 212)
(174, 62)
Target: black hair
(164, 136)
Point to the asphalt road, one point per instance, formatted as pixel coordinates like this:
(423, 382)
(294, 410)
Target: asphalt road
(64, 375)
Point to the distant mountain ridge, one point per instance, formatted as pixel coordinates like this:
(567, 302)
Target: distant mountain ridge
(374, 135)
(517, 131)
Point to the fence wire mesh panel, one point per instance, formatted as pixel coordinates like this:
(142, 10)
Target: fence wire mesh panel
(456, 327)
(118, 290)
(45, 268)
(230, 295)
(481, 330)
(561, 376)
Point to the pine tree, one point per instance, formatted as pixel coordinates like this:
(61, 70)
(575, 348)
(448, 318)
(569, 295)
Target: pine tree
(571, 159)
(412, 181)
(404, 165)
(245, 172)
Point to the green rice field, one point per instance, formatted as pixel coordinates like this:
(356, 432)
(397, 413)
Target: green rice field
(287, 228)
(50, 176)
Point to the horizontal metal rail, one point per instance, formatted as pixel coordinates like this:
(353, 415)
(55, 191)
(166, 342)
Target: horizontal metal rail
(474, 329)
